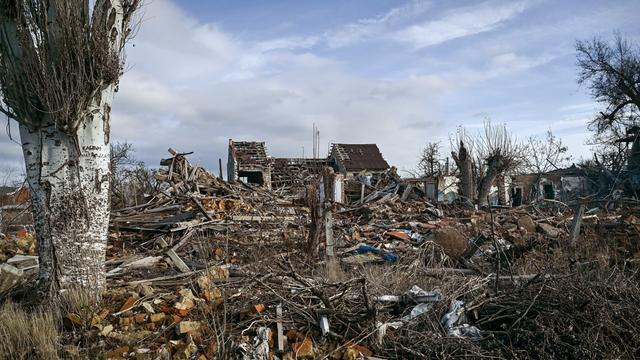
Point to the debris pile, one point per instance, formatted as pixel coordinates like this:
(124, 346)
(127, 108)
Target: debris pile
(212, 270)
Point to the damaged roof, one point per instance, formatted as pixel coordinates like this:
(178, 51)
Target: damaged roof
(572, 170)
(358, 157)
(249, 152)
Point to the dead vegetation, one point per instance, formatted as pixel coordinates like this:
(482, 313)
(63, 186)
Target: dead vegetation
(206, 269)
(27, 334)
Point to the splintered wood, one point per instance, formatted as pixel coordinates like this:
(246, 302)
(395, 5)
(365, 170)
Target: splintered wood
(191, 203)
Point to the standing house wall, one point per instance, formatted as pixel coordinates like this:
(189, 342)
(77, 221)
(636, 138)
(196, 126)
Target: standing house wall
(448, 189)
(532, 187)
(562, 188)
(574, 186)
(338, 188)
(443, 188)
(248, 159)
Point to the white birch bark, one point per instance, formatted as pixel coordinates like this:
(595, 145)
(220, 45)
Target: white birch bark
(69, 178)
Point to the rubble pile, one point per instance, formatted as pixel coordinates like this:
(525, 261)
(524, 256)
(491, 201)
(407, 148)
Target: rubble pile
(199, 216)
(213, 270)
(18, 260)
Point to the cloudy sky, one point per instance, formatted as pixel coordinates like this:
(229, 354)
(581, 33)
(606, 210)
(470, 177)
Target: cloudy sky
(396, 73)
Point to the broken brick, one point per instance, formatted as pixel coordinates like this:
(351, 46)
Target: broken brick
(185, 327)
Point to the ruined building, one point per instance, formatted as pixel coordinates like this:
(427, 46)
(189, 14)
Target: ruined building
(249, 162)
(358, 159)
(560, 184)
(289, 173)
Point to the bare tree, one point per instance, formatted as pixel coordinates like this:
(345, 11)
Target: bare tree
(464, 162)
(611, 71)
(59, 70)
(121, 160)
(8, 176)
(612, 74)
(543, 155)
(430, 162)
(497, 152)
(484, 157)
(131, 180)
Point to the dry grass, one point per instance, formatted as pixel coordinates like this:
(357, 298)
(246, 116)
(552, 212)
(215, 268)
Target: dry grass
(34, 332)
(81, 302)
(27, 334)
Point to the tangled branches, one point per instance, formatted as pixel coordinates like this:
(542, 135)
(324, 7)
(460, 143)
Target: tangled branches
(56, 57)
(570, 317)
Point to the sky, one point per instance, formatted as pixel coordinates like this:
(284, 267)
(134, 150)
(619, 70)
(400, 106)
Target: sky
(396, 73)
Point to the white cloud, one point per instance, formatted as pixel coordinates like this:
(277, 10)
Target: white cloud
(460, 23)
(225, 87)
(291, 43)
(365, 29)
(198, 86)
(10, 150)
(192, 85)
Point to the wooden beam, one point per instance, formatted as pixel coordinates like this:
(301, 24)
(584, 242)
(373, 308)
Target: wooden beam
(279, 329)
(577, 222)
(174, 257)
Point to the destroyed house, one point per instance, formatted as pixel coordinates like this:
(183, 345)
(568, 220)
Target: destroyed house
(248, 162)
(441, 188)
(289, 173)
(354, 159)
(560, 184)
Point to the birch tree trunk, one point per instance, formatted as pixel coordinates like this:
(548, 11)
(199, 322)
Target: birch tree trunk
(59, 70)
(69, 178)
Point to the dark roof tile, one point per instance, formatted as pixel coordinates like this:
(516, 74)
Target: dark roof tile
(358, 157)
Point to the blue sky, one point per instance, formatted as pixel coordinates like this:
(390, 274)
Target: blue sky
(397, 73)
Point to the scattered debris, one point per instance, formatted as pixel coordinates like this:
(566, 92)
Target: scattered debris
(207, 269)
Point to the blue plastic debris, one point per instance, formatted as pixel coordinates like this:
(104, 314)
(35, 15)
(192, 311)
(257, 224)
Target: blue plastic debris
(390, 257)
(363, 249)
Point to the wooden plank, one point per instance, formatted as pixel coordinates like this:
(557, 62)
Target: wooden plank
(162, 278)
(279, 328)
(183, 240)
(261, 218)
(577, 222)
(328, 231)
(174, 257)
(202, 209)
(406, 192)
(178, 261)
(134, 228)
